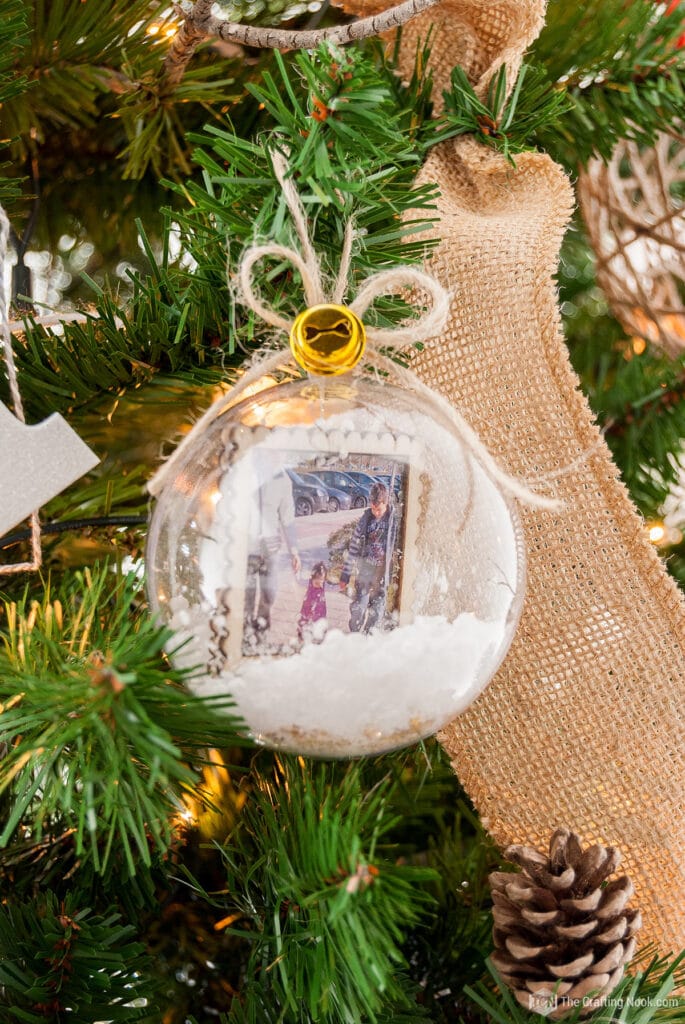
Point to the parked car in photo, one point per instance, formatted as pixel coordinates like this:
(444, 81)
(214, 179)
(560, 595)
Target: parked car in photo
(343, 482)
(308, 497)
(364, 480)
(337, 498)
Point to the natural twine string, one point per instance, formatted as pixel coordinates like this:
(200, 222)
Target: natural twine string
(6, 336)
(384, 283)
(400, 279)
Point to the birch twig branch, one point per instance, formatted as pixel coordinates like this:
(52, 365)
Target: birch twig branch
(185, 43)
(199, 24)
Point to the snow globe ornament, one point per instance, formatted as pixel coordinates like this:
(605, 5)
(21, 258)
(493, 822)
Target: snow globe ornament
(337, 560)
(331, 551)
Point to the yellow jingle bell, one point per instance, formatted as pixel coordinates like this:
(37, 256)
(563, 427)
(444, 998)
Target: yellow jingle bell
(327, 340)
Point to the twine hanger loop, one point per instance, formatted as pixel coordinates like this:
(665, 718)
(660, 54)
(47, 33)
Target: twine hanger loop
(329, 337)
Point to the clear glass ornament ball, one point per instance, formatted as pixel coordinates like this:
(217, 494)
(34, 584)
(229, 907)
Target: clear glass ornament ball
(337, 560)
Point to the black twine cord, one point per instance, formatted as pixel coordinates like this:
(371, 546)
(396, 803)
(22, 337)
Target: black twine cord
(73, 524)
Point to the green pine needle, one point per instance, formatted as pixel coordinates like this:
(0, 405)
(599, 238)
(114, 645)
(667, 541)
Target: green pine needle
(622, 70)
(351, 156)
(61, 961)
(318, 894)
(358, 162)
(13, 16)
(508, 124)
(96, 723)
(154, 122)
(636, 396)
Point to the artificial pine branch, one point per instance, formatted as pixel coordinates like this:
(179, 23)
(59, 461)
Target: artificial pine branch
(348, 137)
(120, 346)
(155, 116)
(450, 948)
(622, 70)
(96, 723)
(352, 157)
(96, 63)
(14, 23)
(31, 868)
(60, 960)
(633, 389)
(323, 900)
(73, 55)
(423, 826)
(507, 122)
(185, 43)
(270, 1013)
(14, 36)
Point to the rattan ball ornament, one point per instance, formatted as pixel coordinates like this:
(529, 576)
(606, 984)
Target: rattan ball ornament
(563, 934)
(634, 213)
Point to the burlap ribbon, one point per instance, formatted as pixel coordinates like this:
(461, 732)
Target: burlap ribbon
(583, 725)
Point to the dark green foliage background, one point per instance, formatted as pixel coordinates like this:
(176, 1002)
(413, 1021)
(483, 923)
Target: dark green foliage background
(305, 891)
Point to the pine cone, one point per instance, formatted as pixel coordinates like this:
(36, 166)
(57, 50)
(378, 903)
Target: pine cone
(562, 936)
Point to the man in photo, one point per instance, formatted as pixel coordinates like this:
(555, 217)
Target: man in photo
(274, 521)
(368, 555)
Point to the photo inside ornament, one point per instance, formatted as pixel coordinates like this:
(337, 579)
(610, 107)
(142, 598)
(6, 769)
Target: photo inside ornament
(334, 557)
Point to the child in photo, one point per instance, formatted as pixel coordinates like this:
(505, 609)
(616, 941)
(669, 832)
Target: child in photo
(312, 624)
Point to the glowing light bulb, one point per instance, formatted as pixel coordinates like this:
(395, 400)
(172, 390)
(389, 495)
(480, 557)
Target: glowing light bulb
(657, 532)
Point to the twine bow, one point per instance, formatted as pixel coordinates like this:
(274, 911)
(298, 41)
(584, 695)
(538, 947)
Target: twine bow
(386, 282)
(427, 326)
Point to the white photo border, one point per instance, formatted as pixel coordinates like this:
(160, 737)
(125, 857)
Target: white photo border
(227, 615)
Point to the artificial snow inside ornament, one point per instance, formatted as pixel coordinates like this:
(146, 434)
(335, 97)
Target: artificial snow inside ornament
(339, 563)
(331, 551)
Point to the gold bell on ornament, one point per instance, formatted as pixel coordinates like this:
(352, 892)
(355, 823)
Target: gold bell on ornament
(327, 340)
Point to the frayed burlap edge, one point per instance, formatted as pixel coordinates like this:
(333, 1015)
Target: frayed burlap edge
(583, 725)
